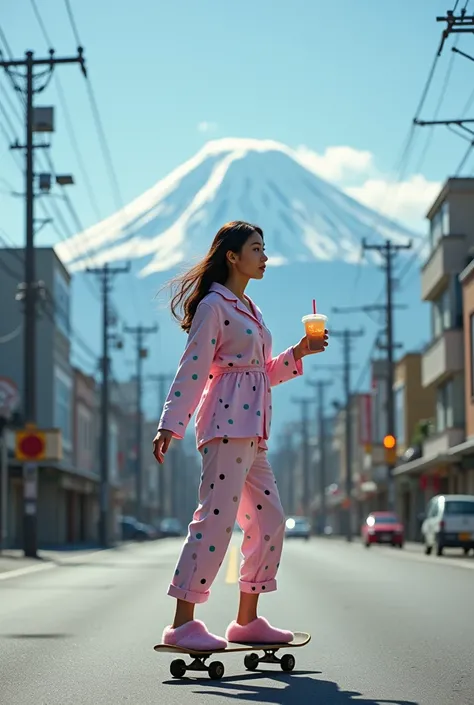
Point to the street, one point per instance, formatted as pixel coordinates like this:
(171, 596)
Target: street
(388, 626)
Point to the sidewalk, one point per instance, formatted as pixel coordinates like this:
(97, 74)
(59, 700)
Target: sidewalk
(14, 560)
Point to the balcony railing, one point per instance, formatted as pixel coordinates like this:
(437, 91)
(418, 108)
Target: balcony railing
(447, 258)
(443, 357)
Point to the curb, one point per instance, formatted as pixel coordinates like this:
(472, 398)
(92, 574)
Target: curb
(18, 572)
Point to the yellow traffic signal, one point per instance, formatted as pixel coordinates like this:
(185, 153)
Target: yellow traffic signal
(390, 446)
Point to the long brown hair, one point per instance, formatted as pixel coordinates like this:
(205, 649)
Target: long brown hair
(192, 286)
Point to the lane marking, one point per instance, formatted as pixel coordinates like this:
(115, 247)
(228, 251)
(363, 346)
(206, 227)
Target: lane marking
(232, 574)
(24, 571)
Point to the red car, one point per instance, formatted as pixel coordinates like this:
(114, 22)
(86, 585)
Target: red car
(383, 527)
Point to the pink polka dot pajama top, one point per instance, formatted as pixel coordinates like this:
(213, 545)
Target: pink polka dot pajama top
(226, 372)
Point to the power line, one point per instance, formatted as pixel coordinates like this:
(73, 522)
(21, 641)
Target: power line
(119, 201)
(72, 21)
(42, 25)
(69, 125)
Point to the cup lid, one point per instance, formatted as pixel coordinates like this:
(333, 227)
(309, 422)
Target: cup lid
(314, 317)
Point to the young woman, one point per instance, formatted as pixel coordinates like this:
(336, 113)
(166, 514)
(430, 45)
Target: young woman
(227, 372)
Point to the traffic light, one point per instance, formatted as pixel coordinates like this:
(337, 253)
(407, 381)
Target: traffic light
(30, 445)
(390, 449)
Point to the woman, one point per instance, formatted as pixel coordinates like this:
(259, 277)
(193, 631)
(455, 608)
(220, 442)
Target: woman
(227, 372)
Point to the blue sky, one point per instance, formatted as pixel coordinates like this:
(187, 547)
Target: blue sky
(339, 81)
(312, 74)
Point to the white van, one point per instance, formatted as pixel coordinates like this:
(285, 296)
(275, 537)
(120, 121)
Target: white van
(449, 523)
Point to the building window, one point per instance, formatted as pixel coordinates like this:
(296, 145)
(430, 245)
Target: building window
(439, 226)
(441, 314)
(61, 303)
(471, 351)
(62, 405)
(450, 404)
(85, 431)
(399, 399)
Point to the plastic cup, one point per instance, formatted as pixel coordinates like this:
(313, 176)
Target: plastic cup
(315, 325)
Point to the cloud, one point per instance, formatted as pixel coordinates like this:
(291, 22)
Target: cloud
(355, 172)
(407, 201)
(337, 163)
(205, 126)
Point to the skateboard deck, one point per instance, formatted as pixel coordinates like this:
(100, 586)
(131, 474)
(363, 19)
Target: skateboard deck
(178, 667)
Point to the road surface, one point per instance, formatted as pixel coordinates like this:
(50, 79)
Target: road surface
(388, 626)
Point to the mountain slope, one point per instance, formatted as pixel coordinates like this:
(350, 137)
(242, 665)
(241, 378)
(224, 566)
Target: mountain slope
(304, 217)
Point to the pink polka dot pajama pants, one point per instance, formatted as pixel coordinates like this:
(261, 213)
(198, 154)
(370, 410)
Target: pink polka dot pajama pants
(237, 482)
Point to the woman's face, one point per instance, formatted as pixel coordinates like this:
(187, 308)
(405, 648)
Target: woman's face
(250, 261)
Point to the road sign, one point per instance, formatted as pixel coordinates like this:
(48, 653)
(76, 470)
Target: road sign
(30, 445)
(34, 445)
(9, 397)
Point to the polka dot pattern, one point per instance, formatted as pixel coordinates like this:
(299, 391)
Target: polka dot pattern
(237, 405)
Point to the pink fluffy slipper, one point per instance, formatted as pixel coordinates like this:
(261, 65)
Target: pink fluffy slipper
(193, 635)
(259, 631)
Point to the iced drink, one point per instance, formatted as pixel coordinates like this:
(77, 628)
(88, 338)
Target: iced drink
(315, 325)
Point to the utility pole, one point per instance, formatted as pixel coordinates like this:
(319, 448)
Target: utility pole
(321, 386)
(347, 336)
(29, 287)
(463, 24)
(139, 332)
(162, 380)
(304, 403)
(105, 274)
(388, 251)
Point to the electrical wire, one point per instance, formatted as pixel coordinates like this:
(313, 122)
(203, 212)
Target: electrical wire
(366, 366)
(68, 120)
(119, 201)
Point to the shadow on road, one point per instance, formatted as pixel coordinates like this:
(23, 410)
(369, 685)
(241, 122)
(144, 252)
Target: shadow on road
(35, 636)
(298, 687)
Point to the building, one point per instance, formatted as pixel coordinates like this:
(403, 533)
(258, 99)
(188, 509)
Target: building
(58, 516)
(337, 500)
(415, 407)
(440, 465)
(373, 489)
(83, 509)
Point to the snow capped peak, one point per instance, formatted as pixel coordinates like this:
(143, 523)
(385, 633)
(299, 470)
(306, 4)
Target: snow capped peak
(304, 218)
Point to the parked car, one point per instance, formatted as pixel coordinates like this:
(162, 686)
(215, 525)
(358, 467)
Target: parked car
(383, 528)
(171, 526)
(134, 530)
(449, 523)
(298, 527)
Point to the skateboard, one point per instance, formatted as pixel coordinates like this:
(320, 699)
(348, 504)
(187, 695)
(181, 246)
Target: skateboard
(215, 669)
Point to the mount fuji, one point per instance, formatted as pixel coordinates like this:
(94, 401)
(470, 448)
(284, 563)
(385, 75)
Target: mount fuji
(305, 219)
(313, 233)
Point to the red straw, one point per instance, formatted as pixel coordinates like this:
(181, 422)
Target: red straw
(314, 305)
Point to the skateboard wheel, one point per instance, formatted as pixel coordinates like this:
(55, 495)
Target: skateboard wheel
(216, 670)
(178, 668)
(287, 662)
(251, 662)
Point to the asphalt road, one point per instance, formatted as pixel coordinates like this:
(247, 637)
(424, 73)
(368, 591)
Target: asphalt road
(387, 626)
